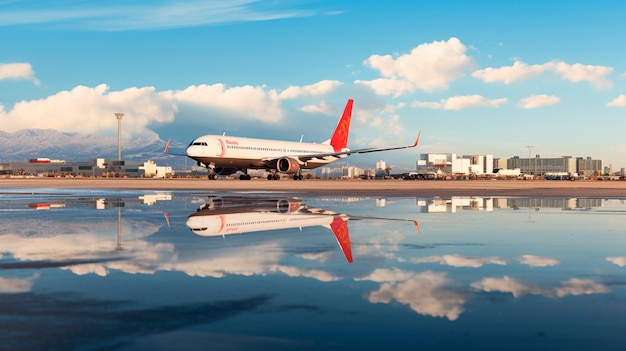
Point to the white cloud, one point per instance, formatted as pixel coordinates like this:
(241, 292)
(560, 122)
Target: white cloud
(428, 67)
(596, 75)
(460, 261)
(536, 101)
(323, 108)
(319, 88)
(427, 104)
(577, 72)
(151, 15)
(427, 293)
(388, 86)
(537, 261)
(619, 101)
(618, 260)
(461, 102)
(518, 71)
(18, 71)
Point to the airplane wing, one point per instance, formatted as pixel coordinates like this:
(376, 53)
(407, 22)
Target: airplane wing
(308, 157)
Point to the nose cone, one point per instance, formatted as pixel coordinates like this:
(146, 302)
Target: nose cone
(206, 225)
(191, 151)
(197, 148)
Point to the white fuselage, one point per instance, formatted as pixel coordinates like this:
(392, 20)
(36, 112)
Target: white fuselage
(245, 222)
(225, 151)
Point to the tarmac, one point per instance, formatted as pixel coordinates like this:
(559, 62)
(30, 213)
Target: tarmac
(388, 188)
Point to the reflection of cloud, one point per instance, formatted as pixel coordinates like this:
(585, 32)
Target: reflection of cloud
(260, 259)
(91, 248)
(322, 257)
(308, 273)
(508, 285)
(91, 253)
(256, 260)
(537, 261)
(518, 288)
(581, 287)
(618, 260)
(17, 285)
(427, 293)
(460, 261)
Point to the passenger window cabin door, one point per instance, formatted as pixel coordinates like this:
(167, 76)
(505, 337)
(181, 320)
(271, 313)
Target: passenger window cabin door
(219, 148)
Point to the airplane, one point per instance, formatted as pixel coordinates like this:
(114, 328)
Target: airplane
(225, 155)
(227, 215)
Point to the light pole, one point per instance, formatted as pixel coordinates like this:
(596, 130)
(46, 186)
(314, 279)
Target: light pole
(119, 117)
(530, 147)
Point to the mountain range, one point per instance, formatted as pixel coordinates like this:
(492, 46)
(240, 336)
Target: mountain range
(48, 143)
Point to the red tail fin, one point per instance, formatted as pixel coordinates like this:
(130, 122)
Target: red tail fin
(340, 228)
(339, 140)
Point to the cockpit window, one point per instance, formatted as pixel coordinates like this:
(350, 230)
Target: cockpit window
(200, 143)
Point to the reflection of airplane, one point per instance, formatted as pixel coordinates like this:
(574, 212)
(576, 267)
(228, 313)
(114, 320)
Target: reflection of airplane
(237, 215)
(226, 155)
(233, 215)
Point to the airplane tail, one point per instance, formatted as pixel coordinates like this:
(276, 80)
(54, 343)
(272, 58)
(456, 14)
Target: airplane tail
(339, 140)
(339, 227)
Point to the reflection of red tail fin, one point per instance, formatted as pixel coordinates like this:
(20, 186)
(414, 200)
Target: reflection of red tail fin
(339, 140)
(339, 227)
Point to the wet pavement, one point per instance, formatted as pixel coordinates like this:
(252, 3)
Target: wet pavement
(145, 270)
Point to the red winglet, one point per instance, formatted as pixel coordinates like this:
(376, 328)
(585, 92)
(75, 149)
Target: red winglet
(418, 138)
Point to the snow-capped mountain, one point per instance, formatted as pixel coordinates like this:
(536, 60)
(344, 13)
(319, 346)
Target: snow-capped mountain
(48, 143)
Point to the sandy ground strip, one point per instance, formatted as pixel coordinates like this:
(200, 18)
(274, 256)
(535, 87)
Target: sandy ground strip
(532, 188)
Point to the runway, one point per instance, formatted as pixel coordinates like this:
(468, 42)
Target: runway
(601, 189)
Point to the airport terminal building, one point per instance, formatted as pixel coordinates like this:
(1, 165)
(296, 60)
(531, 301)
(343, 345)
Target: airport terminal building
(98, 167)
(454, 164)
(539, 166)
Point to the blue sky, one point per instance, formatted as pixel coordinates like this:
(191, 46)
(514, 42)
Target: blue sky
(475, 77)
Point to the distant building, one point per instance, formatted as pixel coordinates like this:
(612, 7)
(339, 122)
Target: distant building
(455, 164)
(565, 164)
(98, 167)
(338, 172)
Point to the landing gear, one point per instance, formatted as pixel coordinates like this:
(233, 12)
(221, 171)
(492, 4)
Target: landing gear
(244, 177)
(212, 176)
(273, 176)
(298, 177)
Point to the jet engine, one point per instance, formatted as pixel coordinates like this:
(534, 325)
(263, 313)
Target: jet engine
(288, 165)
